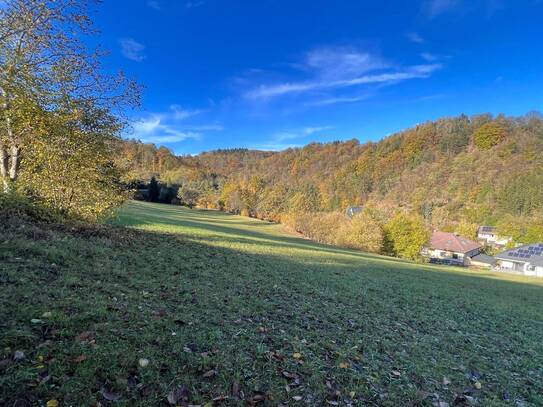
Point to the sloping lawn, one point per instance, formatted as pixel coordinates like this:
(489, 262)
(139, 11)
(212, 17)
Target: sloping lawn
(200, 307)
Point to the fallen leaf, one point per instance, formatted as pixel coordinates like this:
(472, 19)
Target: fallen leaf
(220, 398)
(477, 385)
(143, 362)
(256, 398)
(110, 395)
(396, 373)
(47, 314)
(79, 359)
(297, 398)
(297, 356)
(85, 336)
(210, 373)
(18, 355)
(343, 365)
(52, 403)
(236, 390)
(179, 394)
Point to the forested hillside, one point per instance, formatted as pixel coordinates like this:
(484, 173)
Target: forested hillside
(453, 174)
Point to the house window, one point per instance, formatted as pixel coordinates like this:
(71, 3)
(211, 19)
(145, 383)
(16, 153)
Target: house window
(455, 256)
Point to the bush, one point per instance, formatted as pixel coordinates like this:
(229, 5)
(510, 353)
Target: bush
(363, 232)
(406, 235)
(14, 206)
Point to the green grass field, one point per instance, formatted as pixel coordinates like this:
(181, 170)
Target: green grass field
(232, 311)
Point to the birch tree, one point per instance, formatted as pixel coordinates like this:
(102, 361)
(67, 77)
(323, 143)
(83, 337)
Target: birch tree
(44, 63)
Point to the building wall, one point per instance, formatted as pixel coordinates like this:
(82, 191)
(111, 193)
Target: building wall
(445, 255)
(523, 268)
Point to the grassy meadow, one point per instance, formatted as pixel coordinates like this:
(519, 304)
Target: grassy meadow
(171, 306)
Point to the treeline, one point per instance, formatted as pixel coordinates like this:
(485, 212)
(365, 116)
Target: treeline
(452, 174)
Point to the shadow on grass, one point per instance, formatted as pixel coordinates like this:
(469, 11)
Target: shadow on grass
(395, 309)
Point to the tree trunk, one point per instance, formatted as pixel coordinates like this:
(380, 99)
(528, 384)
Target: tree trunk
(15, 162)
(4, 159)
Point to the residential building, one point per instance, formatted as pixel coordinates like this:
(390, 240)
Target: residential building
(527, 260)
(450, 248)
(489, 236)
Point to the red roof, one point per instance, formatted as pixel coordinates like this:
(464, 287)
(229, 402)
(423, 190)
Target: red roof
(452, 243)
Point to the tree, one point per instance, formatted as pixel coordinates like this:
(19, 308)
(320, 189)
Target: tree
(46, 67)
(407, 235)
(154, 190)
(363, 232)
(188, 195)
(489, 135)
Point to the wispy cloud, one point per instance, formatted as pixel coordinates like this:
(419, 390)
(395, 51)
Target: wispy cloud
(153, 130)
(281, 136)
(310, 130)
(427, 56)
(433, 8)
(414, 37)
(170, 126)
(132, 49)
(180, 113)
(411, 72)
(194, 3)
(154, 4)
(335, 100)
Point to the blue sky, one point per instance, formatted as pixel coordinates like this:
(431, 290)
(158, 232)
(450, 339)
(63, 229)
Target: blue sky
(271, 74)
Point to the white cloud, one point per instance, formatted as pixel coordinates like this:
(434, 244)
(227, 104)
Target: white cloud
(207, 127)
(296, 134)
(336, 63)
(132, 49)
(429, 57)
(333, 101)
(412, 72)
(310, 130)
(414, 37)
(170, 126)
(154, 4)
(180, 114)
(285, 136)
(194, 4)
(153, 130)
(436, 7)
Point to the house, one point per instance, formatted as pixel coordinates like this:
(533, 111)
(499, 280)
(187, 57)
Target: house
(450, 248)
(527, 259)
(488, 236)
(353, 210)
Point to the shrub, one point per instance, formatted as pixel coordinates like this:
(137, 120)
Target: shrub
(363, 232)
(14, 206)
(406, 235)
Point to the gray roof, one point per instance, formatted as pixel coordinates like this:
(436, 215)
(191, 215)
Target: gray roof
(484, 258)
(530, 253)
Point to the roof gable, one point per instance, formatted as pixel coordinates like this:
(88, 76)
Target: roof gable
(452, 242)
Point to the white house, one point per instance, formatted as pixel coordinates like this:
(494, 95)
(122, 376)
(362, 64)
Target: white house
(488, 235)
(450, 248)
(527, 260)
